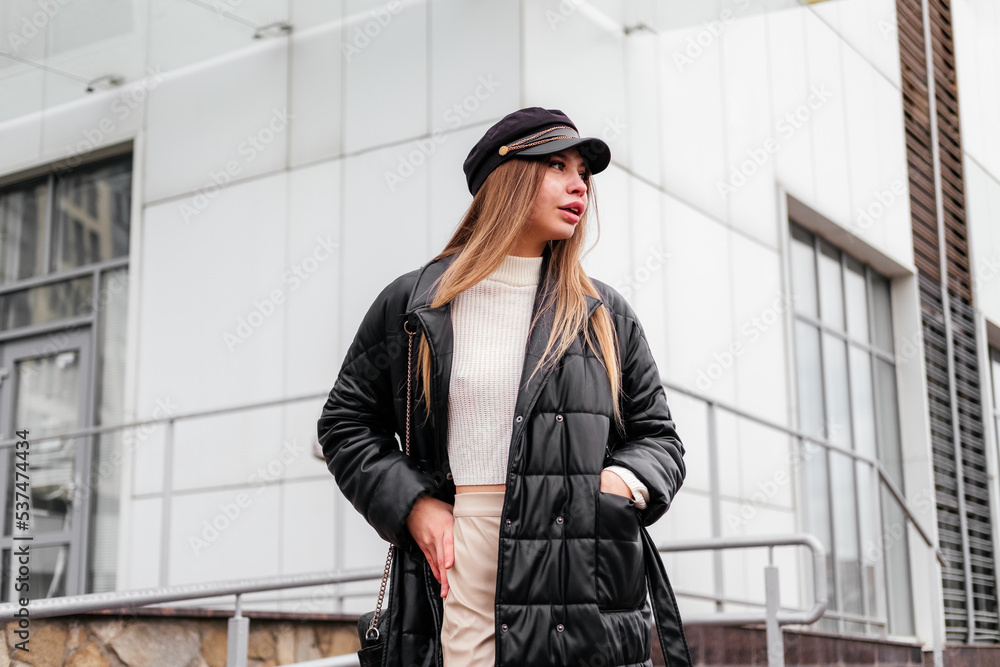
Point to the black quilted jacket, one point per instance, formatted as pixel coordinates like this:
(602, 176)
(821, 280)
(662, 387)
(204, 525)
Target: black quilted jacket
(574, 562)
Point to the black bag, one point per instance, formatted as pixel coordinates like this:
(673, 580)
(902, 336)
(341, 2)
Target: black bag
(372, 626)
(372, 643)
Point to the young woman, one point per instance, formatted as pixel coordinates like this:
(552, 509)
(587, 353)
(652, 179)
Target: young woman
(540, 441)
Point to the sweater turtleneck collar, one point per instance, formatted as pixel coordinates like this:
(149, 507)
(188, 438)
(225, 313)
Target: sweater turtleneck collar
(518, 271)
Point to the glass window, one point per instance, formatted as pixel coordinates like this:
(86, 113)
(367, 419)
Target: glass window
(64, 221)
(48, 396)
(91, 221)
(838, 398)
(847, 552)
(862, 401)
(845, 375)
(897, 566)
(810, 380)
(47, 303)
(69, 221)
(47, 578)
(881, 313)
(804, 272)
(105, 478)
(890, 449)
(831, 293)
(23, 212)
(856, 294)
(871, 549)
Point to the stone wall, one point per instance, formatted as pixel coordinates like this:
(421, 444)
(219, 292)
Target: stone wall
(171, 641)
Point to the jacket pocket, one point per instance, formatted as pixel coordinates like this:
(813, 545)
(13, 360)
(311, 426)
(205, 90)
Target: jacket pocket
(621, 573)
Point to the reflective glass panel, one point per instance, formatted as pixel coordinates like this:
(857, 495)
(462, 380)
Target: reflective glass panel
(22, 226)
(882, 314)
(803, 272)
(92, 207)
(47, 402)
(845, 523)
(856, 298)
(48, 568)
(838, 410)
(862, 401)
(47, 303)
(831, 293)
(810, 379)
(871, 549)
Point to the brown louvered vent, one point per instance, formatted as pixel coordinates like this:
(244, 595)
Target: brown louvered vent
(961, 483)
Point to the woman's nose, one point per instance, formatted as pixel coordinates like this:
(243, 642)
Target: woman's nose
(577, 185)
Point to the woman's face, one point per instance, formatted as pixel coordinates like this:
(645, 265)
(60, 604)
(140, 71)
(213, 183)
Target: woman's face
(560, 203)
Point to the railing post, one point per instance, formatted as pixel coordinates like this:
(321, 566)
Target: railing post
(772, 600)
(718, 571)
(238, 638)
(936, 607)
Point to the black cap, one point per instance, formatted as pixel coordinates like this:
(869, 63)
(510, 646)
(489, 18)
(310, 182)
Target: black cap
(529, 133)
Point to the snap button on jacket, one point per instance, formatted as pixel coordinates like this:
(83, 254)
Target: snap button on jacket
(575, 564)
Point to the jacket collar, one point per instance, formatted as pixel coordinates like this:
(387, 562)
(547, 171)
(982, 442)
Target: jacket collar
(437, 326)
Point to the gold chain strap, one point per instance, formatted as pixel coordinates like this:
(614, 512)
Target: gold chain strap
(372, 633)
(528, 143)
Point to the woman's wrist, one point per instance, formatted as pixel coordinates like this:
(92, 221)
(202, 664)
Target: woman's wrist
(640, 494)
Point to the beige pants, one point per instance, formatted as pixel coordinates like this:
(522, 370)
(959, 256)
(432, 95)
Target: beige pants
(467, 629)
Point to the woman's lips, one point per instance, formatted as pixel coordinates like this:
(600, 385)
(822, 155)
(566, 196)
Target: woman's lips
(570, 216)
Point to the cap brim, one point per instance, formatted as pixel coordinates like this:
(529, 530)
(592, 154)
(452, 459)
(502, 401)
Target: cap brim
(596, 153)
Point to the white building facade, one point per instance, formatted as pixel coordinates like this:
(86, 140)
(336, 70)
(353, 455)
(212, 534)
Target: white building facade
(203, 232)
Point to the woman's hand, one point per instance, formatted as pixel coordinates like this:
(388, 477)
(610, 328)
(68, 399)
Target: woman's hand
(612, 483)
(430, 523)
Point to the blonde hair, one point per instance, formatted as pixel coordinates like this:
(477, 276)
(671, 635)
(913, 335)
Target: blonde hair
(490, 229)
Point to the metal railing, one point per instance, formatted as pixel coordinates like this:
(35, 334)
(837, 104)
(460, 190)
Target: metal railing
(881, 475)
(169, 419)
(719, 544)
(772, 617)
(238, 636)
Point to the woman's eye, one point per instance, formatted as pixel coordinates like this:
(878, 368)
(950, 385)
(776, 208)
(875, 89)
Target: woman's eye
(583, 174)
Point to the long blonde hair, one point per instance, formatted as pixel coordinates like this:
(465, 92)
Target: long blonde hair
(489, 230)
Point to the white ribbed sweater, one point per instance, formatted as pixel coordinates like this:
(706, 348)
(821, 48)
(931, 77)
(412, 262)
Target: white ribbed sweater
(490, 326)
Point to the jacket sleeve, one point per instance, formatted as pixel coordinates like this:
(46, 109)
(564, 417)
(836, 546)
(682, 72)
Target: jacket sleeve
(651, 448)
(357, 431)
